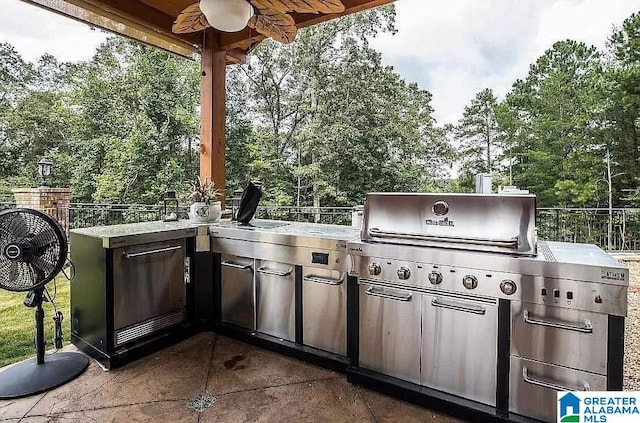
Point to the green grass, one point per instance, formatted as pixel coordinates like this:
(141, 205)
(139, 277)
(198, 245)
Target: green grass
(17, 323)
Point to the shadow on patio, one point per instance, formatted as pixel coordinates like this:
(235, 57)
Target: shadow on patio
(246, 383)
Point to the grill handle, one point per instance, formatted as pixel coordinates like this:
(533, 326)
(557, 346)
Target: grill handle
(550, 384)
(326, 281)
(235, 265)
(587, 328)
(150, 252)
(506, 243)
(373, 293)
(279, 273)
(474, 310)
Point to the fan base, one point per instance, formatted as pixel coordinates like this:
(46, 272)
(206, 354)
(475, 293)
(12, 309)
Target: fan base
(29, 378)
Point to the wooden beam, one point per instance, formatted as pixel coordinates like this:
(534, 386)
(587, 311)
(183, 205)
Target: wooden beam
(139, 13)
(246, 38)
(93, 16)
(213, 112)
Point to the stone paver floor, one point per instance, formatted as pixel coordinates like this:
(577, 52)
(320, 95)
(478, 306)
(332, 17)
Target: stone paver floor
(227, 380)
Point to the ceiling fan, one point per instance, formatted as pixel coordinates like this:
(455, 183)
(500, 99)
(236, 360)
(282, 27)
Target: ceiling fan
(268, 17)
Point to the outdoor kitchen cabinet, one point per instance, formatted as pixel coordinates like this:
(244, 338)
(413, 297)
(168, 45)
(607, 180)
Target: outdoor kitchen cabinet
(275, 294)
(133, 288)
(238, 298)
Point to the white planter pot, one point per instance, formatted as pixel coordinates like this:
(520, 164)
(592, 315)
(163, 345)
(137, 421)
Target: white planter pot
(203, 212)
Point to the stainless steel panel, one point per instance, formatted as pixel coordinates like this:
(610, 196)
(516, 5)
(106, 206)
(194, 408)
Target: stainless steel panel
(148, 281)
(116, 236)
(600, 267)
(478, 222)
(613, 298)
(390, 334)
(238, 297)
(570, 338)
(275, 293)
(533, 387)
(338, 260)
(324, 309)
(459, 346)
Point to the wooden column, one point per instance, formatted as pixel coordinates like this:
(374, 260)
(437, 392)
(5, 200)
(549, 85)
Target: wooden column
(213, 112)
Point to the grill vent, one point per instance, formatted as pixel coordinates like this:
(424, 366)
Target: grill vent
(148, 327)
(546, 252)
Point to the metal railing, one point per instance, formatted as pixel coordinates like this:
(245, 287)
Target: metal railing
(583, 225)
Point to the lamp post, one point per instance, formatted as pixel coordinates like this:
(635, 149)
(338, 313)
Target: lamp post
(44, 170)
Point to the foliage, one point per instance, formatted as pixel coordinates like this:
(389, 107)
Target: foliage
(204, 191)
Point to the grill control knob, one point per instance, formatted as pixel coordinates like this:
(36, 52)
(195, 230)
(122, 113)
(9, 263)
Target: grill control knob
(375, 269)
(404, 273)
(435, 278)
(508, 287)
(470, 282)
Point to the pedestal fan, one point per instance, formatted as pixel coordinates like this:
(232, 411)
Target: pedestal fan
(33, 250)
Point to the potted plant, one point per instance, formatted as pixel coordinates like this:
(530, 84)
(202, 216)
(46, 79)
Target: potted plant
(206, 207)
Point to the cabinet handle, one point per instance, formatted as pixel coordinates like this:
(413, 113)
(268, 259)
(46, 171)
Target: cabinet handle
(235, 265)
(550, 384)
(146, 253)
(326, 281)
(587, 328)
(279, 273)
(474, 310)
(380, 294)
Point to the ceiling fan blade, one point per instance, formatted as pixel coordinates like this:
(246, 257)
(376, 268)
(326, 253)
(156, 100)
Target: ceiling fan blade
(279, 26)
(191, 19)
(301, 6)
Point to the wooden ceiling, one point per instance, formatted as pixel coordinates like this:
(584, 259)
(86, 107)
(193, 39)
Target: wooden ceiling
(150, 21)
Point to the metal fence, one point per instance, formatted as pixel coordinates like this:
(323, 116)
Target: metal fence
(586, 225)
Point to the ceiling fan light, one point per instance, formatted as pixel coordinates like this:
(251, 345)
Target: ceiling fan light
(227, 15)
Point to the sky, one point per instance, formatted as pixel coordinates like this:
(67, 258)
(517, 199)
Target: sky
(453, 48)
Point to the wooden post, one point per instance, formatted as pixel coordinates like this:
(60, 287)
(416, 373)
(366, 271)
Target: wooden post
(213, 112)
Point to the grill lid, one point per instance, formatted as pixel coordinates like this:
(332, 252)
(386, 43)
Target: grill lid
(479, 222)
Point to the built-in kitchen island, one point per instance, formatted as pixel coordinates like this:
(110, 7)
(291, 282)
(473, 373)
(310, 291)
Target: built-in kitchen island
(481, 333)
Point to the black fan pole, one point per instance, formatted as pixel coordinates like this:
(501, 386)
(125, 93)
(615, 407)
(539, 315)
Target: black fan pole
(40, 343)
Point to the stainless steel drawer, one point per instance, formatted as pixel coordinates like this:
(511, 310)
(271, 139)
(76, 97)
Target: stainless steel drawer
(238, 297)
(324, 309)
(459, 346)
(572, 338)
(275, 307)
(390, 332)
(533, 387)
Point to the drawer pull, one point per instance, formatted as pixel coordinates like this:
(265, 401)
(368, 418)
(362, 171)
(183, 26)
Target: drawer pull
(235, 265)
(373, 293)
(147, 253)
(550, 384)
(587, 328)
(271, 272)
(326, 281)
(474, 310)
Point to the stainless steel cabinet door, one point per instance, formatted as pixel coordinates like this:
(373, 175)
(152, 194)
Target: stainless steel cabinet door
(459, 347)
(533, 387)
(238, 297)
(324, 309)
(148, 282)
(571, 338)
(390, 332)
(275, 288)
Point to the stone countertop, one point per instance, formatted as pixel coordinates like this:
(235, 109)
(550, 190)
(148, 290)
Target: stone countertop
(135, 233)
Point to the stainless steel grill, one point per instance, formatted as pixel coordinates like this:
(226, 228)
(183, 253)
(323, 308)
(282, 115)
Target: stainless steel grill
(439, 266)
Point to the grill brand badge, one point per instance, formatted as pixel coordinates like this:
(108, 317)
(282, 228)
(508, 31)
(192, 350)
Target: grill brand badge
(612, 275)
(440, 208)
(598, 407)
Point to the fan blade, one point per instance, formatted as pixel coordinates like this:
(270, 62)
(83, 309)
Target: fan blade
(281, 27)
(13, 272)
(300, 6)
(38, 273)
(191, 19)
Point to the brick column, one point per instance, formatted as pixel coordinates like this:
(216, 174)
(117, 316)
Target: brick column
(53, 201)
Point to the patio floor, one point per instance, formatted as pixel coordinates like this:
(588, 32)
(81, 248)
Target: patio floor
(249, 385)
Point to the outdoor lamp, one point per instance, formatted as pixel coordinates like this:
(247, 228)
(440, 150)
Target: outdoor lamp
(235, 202)
(44, 170)
(227, 15)
(170, 207)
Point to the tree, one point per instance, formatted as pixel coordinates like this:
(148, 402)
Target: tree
(477, 135)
